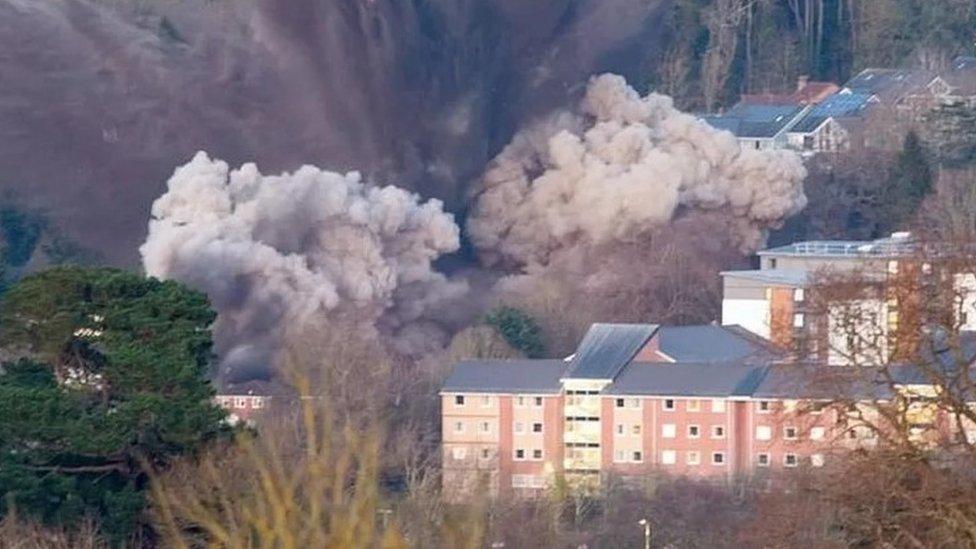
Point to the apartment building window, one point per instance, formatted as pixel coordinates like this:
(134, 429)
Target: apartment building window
(519, 427)
(718, 405)
(520, 402)
(459, 427)
(798, 294)
(536, 427)
(620, 403)
(618, 456)
(816, 433)
(519, 454)
(789, 433)
(817, 460)
(789, 460)
(459, 400)
(762, 460)
(764, 432)
(693, 458)
(798, 320)
(893, 267)
(486, 401)
(693, 431)
(485, 427)
(257, 402)
(668, 457)
(718, 431)
(637, 457)
(764, 406)
(538, 402)
(718, 458)
(485, 453)
(240, 402)
(668, 430)
(669, 404)
(537, 454)
(633, 402)
(693, 405)
(635, 429)
(459, 453)
(620, 428)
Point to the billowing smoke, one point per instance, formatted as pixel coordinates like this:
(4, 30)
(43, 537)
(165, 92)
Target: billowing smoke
(624, 165)
(274, 252)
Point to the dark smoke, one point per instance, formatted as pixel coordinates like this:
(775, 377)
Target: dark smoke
(100, 100)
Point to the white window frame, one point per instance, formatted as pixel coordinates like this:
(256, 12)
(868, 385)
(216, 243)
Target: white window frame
(257, 402)
(668, 405)
(817, 460)
(619, 402)
(541, 428)
(485, 401)
(540, 452)
(515, 453)
(669, 430)
(693, 405)
(458, 426)
(718, 463)
(459, 453)
(459, 401)
(240, 402)
(718, 436)
(696, 428)
(693, 457)
(817, 433)
(485, 427)
(786, 460)
(519, 427)
(788, 436)
(759, 460)
(621, 429)
(669, 457)
(798, 294)
(718, 405)
(764, 432)
(636, 429)
(637, 456)
(798, 320)
(768, 406)
(634, 403)
(520, 402)
(537, 402)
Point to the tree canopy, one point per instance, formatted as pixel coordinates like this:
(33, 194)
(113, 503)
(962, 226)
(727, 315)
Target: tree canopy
(519, 329)
(112, 375)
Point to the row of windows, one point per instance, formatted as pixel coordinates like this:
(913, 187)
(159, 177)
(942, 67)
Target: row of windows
(789, 460)
(241, 401)
(520, 427)
(671, 404)
(521, 401)
(483, 427)
(670, 430)
(765, 432)
(521, 454)
(670, 457)
(461, 453)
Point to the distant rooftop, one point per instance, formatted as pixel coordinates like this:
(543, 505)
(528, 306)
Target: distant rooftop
(709, 343)
(687, 379)
(895, 245)
(755, 120)
(531, 376)
(785, 277)
(838, 105)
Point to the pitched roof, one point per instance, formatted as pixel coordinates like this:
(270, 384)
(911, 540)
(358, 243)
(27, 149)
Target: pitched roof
(889, 84)
(607, 348)
(755, 120)
(838, 105)
(506, 376)
(710, 343)
(687, 379)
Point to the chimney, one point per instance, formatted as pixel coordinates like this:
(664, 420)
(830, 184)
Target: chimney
(801, 81)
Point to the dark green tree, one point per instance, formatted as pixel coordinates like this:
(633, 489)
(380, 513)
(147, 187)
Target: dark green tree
(114, 377)
(910, 181)
(519, 329)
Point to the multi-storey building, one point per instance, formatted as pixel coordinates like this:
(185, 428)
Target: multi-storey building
(710, 402)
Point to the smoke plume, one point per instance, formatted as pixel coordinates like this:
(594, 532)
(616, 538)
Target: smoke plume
(623, 165)
(274, 252)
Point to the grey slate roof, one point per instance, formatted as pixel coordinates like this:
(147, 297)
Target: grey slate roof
(755, 120)
(506, 376)
(687, 379)
(709, 343)
(838, 105)
(607, 348)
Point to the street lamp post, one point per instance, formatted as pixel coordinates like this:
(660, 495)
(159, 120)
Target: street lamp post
(647, 532)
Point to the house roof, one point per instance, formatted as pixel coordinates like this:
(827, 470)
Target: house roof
(710, 343)
(961, 75)
(607, 348)
(687, 379)
(812, 92)
(838, 105)
(755, 120)
(784, 277)
(888, 84)
(896, 245)
(506, 376)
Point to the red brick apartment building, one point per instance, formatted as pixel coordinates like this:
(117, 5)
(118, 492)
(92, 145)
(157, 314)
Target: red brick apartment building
(636, 399)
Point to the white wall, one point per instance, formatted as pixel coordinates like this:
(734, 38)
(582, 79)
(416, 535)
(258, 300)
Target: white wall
(751, 314)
